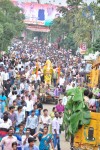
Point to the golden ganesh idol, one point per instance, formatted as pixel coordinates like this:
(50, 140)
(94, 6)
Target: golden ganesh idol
(48, 72)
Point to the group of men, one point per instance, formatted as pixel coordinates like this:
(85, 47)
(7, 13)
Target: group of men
(22, 112)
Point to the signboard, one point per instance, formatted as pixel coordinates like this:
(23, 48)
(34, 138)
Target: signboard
(83, 48)
(38, 28)
(38, 14)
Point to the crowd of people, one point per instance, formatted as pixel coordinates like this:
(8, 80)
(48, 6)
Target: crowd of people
(23, 119)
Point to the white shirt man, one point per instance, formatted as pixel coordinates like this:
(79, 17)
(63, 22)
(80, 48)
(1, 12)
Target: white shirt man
(34, 98)
(11, 97)
(29, 106)
(19, 66)
(55, 126)
(64, 100)
(61, 81)
(6, 125)
(45, 120)
(27, 74)
(69, 86)
(22, 87)
(5, 76)
(1, 80)
(56, 130)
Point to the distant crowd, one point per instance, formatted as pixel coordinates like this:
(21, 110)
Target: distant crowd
(23, 117)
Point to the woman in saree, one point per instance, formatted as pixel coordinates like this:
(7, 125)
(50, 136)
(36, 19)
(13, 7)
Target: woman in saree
(45, 140)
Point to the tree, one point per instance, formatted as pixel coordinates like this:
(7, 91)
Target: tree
(82, 29)
(11, 22)
(96, 45)
(69, 43)
(65, 25)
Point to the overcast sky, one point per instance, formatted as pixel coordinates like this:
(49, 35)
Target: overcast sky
(89, 1)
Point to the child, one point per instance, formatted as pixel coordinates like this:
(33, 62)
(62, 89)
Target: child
(14, 146)
(52, 114)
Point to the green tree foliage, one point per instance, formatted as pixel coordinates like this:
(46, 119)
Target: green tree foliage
(83, 29)
(98, 1)
(68, 43)
(74, 3)
(73, 22)
(96, 45)
(11, 22)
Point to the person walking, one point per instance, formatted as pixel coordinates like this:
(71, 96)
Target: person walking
(45, 119)
(14, 146)
(25, 138)
(56, 131)
(12, 115)
(31, 145)
(20, 116)
(32, 122)
(45, 140)
(4, 126)
(8, 140)
(60, 107)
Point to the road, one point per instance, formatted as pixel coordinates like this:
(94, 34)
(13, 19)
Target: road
(64, 145)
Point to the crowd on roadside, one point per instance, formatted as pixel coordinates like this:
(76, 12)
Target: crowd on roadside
(22, 116)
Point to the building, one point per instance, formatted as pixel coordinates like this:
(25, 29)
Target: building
(54, 2)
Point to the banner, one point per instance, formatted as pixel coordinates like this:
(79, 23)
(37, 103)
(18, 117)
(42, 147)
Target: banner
(38, 14)
(38, 28)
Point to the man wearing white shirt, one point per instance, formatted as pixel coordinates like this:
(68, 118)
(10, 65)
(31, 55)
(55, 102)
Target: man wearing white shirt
(5, 122)
(64, 100)
(34, 97)
(56, 131)
(1, 80)
(19, 66)
(20, 116)
(27, 74)
(61, 81)
(12, 96)
(45, 119)
(22, 87)
(1, 83)
(5, 76)
(29, 105)
(68, 87)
